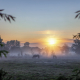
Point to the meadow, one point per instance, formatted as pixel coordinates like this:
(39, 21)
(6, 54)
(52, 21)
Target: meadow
(38, 69)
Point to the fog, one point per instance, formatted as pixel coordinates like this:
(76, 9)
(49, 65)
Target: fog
(28, 52)
(70, 55)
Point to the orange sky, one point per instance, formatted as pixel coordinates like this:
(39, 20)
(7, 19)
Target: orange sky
(37, 36)
(37, 20)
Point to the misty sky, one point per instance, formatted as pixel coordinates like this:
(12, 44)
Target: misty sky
(38, 19)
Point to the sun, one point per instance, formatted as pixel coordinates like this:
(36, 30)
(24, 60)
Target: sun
(52, 41)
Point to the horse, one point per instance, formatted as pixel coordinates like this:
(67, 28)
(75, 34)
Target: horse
(36, 56)
(54, 56)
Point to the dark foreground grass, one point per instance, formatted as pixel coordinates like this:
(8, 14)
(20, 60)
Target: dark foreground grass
(38, 69)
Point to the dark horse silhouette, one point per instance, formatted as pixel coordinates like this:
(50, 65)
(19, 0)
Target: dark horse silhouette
(54, 56)
(53, 53)
(36, 56)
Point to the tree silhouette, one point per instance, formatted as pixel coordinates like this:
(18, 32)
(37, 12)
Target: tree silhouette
(9, 18)
(65, 49)
(78, 14)
(76, 45)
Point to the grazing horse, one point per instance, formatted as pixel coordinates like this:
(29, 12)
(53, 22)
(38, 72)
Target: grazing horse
(54, 56)
(36, 56)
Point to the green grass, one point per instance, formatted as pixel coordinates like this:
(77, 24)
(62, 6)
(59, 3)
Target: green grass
(38, 69)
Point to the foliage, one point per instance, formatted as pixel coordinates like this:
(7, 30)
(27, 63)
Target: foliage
(4, 76)
(9, 18)
(6, 17)
(75, 76)
(4, 52)
(76, 45)
(13, 43)
(78, 14)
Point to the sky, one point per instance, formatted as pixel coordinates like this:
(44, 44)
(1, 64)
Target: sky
(37, 20)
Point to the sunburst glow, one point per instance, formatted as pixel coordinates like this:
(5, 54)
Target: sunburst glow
(52, 41)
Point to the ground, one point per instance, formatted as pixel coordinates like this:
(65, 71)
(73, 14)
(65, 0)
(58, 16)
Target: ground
(38, 69)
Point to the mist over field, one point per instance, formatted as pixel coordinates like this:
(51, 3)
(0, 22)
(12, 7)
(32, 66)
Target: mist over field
(34, 63)
(40, 40)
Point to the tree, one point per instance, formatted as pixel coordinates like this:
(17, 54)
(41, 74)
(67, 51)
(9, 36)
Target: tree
(65, 49)
(4, 52)
(26, 44)
(9, 18)
(78, 14)
(76, 45)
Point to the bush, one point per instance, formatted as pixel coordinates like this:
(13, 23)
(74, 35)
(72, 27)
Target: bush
(4, 76)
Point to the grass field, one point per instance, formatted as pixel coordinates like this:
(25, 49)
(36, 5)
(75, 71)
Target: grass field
(38, 69)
